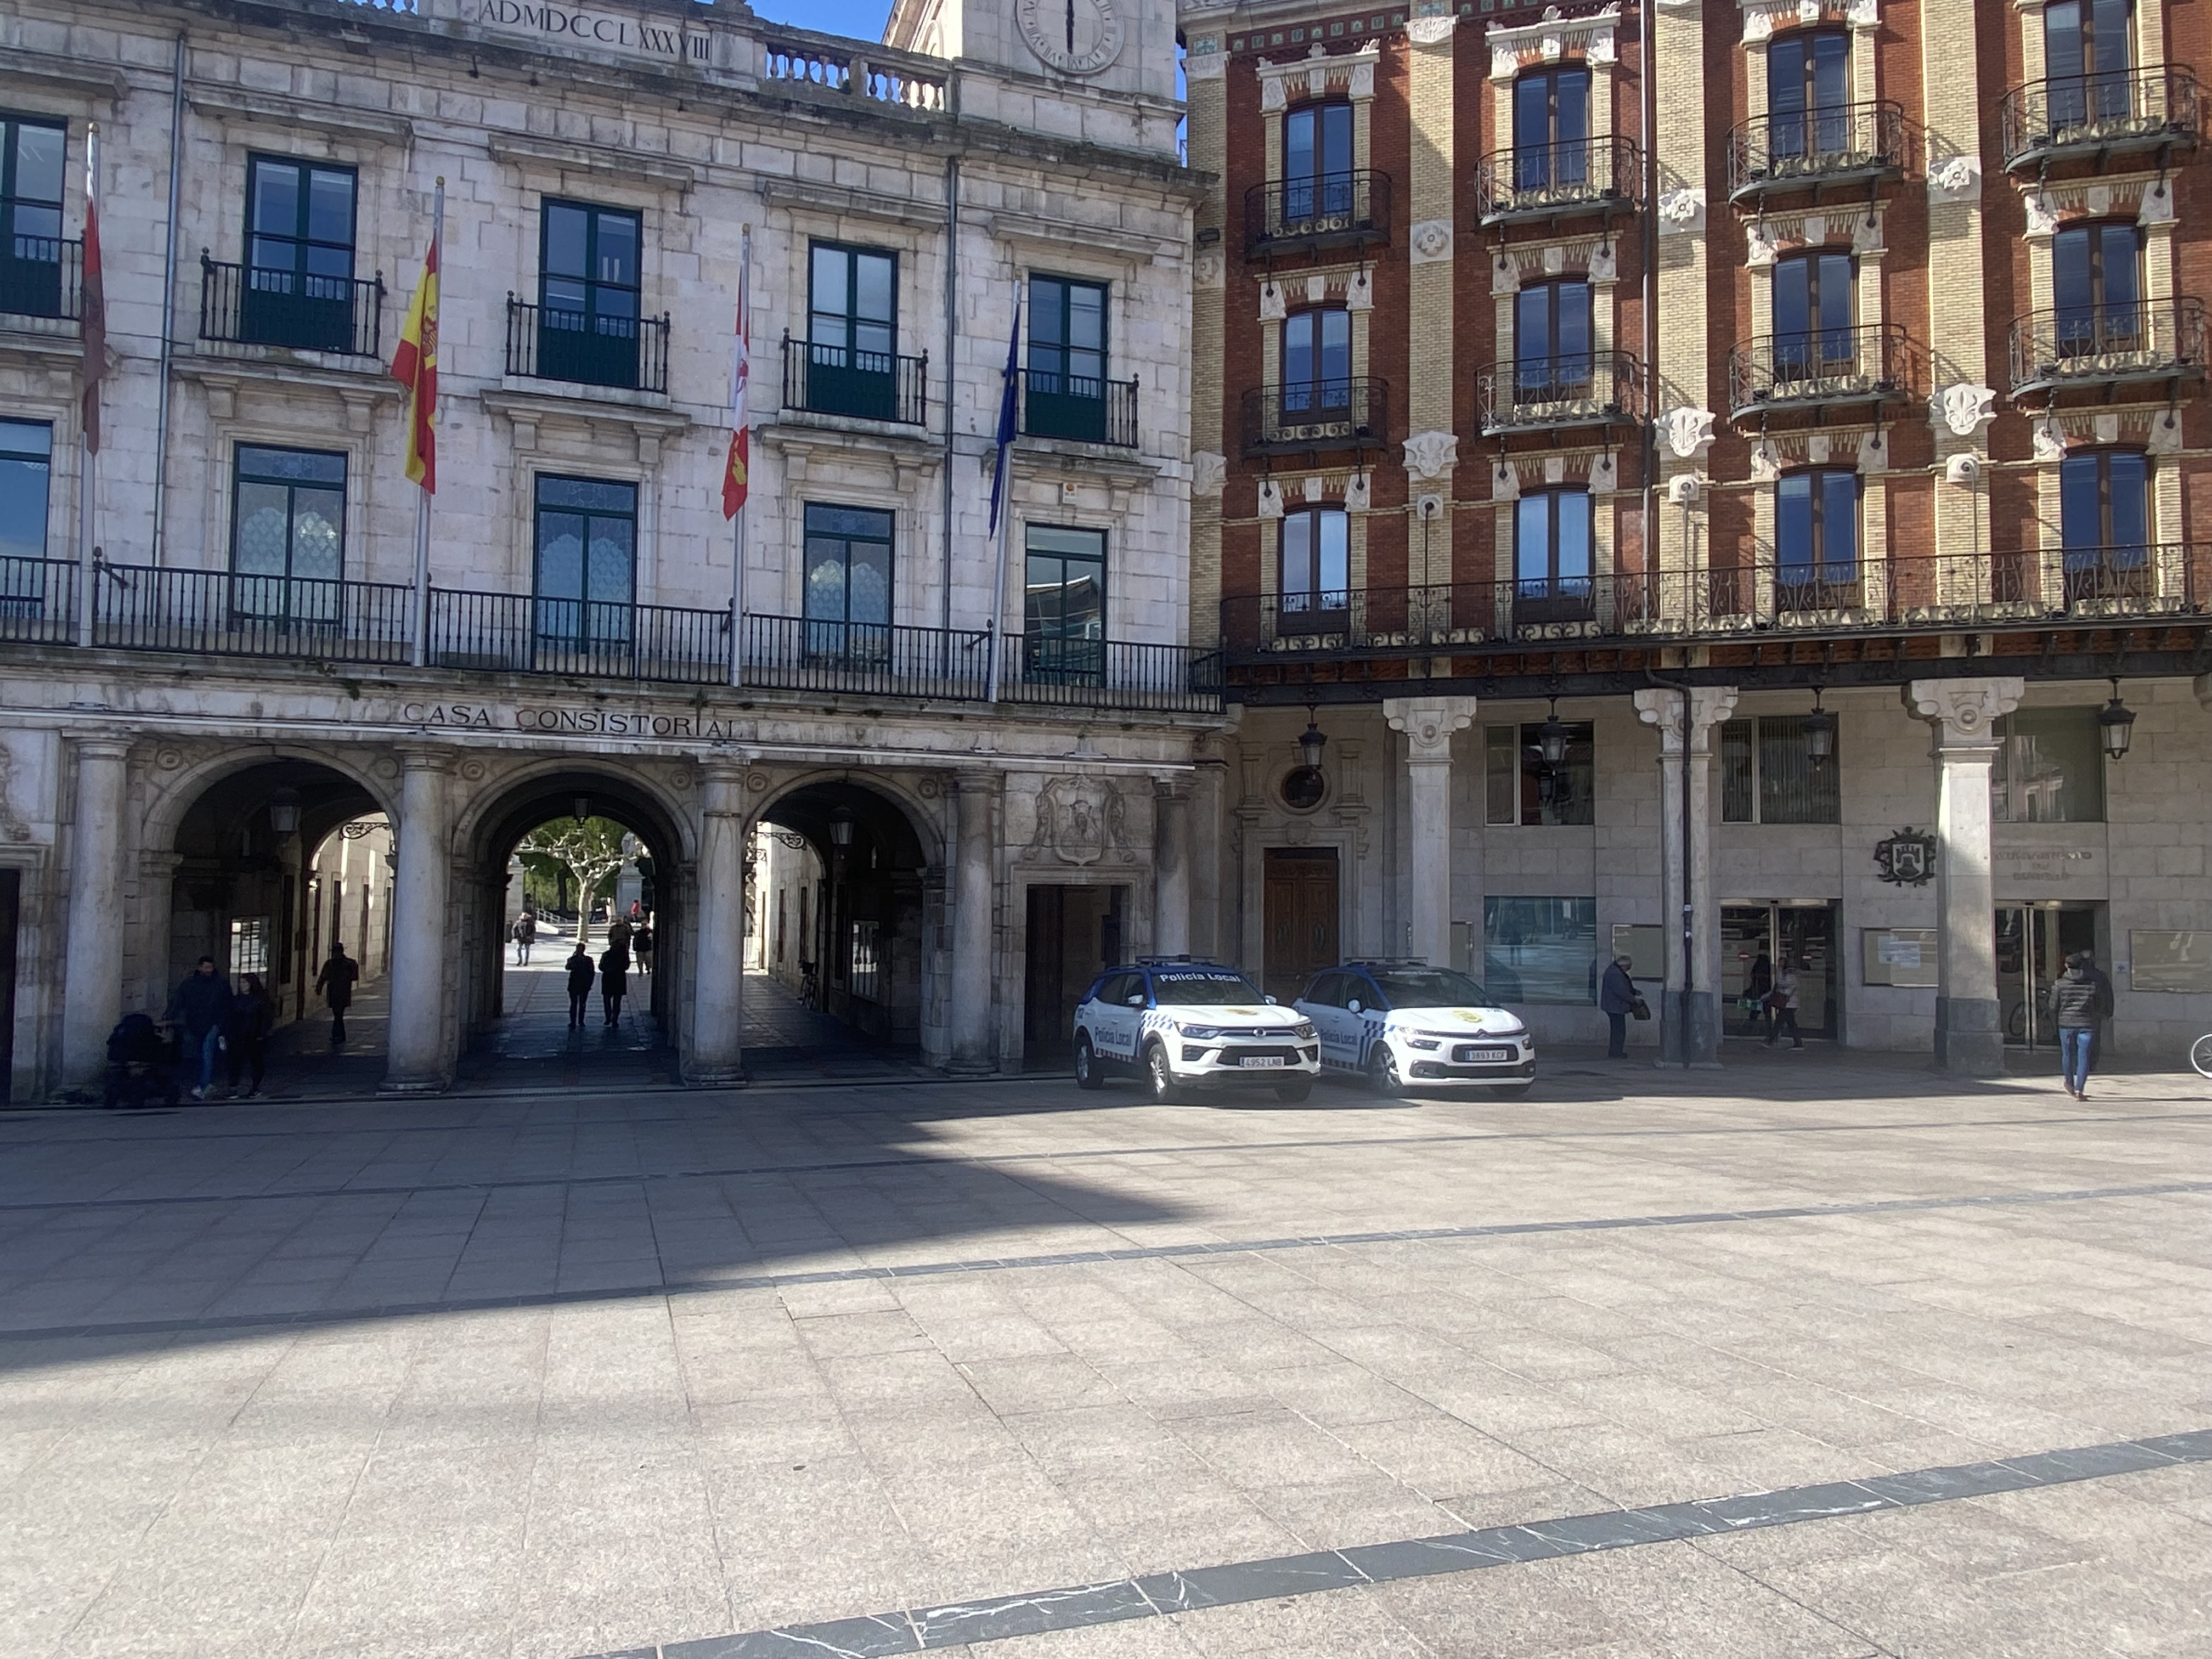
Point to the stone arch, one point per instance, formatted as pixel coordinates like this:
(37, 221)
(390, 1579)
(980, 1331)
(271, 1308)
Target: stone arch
(173, 793)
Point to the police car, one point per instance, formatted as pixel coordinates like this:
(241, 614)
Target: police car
(1404, 1024)
(1180, 1024)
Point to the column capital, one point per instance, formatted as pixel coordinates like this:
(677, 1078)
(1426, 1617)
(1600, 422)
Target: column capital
(102, 748)
(1710, 705)
(975, 780)
(1176, 789)
(426, 759)
(1428, 724)
(1964, 712)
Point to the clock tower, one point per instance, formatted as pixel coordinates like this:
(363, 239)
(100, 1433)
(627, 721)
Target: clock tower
(1124, 47)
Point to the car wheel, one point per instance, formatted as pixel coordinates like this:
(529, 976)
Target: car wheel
(1514, 1091)
(1294, 1093)
(1087, 1072)
(1382, 1073)
(1159, 1079)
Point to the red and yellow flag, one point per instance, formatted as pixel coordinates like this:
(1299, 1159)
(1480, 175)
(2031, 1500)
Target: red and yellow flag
(737, 473)
(414, 366)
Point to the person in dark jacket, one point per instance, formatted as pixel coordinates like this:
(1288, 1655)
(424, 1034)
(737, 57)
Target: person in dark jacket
(641, 946)
(581, 975)
(335, 984)
(2083, 1000)
(138, 1064)
(197, 1008)
(1616, 997)
(245, 1027)
(614, 967)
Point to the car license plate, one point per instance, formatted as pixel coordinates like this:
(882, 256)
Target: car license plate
(1483, 1056)
(1262, 1061)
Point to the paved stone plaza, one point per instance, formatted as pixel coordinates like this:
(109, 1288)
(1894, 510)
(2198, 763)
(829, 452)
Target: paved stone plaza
(1010, 1367)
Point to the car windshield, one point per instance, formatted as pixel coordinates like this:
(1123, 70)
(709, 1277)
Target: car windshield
(1431, 987)
(1202, 989)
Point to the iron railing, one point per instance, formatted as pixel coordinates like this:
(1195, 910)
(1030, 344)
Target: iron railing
(558, 343)
(246, 305)
(1317, 415)
(222, 613)
(2106, 344)
(1079, 408)
(1585, 389)
(869, 385)
(1331, 209)
(1836, 143)
(41, 279)
(1578, 175)
(2115, 110)
(38, 601)
(1871, 363)
(587, 639)
(878, 659)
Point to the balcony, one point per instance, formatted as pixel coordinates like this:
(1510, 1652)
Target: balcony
(1078, 407)
(1604, 389)
(864, 385)
(1823, 368)
(244, 305)
(1315, 417)
(41, 284)
(1851, 144)
(2091, 117)
(548, 342)
(1311, 216)
(1551, 181)
(2107, 345)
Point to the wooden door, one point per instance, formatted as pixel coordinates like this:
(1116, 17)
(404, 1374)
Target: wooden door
(1301, 916)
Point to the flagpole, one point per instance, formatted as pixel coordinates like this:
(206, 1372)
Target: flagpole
(88, 481)
(421, 655)
(738, 551)
(1002, 503)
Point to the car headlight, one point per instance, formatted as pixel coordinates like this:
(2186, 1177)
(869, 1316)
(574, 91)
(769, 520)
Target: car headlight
(1202, 1033)
(1304, 1027)
(1421, 1042)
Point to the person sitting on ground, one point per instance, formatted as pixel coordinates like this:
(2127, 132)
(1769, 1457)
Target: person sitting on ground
(138, 1065)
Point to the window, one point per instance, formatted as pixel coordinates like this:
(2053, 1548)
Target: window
(1768, 774)
(1552, 555)
(852, 332)
(1315, 573)
(288, 533)
(1540, 950)
(2087, 49)
(299, 255)
(32, 158)
(586, 562)
(1316, 163)
(249, 944)
(848, 582)
(1813, 307)
(588, 294)
(1065, 393)
(2104, 524)
(1064, 604)
(1521, 789)
(27, 450)
(1551, 342)
(866, 977)
(2096, 279)
(1550, 130)
(2049, 767)
(1316, 362)
(1816, 539)
(1808, 94)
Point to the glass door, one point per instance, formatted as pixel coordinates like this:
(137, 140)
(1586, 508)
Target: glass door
(1756, 940)
(2033, 941)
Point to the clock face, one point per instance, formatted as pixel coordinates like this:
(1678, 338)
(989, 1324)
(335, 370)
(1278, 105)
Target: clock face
(1075, 37)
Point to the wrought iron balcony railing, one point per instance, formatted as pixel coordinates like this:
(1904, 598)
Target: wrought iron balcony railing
(867, 385)
(41, 282)
(1602, 388)
(247, 305)
(2107, 344)
(1079, 408)
(1316, 415)
(1871, 363)
(1329, 210)
(1543, 181)
(222, 613)
(554, 343)
(2111, 114)
(1838, 144)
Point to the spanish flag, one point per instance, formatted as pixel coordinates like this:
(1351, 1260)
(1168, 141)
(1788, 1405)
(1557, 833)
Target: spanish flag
(414, 366)
(736, 474)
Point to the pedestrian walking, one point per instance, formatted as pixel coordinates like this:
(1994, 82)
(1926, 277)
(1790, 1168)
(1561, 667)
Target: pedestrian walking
(335, 986)
(2083, 1000)
(525, 934)
(1756, 984)
(641, 946)
(198, 1009)
(614, 966)
(618, 938)
(1782, 1007)
(245, 1027)
(581, 975)
(1617, 998)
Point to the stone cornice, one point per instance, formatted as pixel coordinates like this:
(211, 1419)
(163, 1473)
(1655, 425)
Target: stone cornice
(276, 110)
(524, 150)
(798, 195)
(50, 72)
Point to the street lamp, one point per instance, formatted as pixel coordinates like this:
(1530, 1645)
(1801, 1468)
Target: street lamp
(1819, 731)
(1551, 738)
(284, 813)
(841, 828)
(582, 807)
(2117, 722)
(1311, 742)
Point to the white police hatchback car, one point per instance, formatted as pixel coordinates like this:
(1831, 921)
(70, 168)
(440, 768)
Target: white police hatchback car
(1403, 1024)
(1181, 1025)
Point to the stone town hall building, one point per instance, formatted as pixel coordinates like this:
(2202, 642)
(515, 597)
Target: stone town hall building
(1836, 366)
(255, 671)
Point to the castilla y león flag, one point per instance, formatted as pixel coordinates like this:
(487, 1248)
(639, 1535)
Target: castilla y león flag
(736, 475)
(414, 366)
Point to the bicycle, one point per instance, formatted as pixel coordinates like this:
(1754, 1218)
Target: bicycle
(2200, 1055)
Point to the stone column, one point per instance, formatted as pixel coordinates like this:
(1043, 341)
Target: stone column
(1969, 1020)
(415, 1061)
(1690, 1032)
(716, 1056)
(157, 890)
(975, 799)
(92, 981)
(1171, 866)
(1428, 724)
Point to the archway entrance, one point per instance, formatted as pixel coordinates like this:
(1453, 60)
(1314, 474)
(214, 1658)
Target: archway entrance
(840, 904)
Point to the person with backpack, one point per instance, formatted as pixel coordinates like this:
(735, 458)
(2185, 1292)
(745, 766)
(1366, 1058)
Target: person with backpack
(525, 934)
(580, 976)
(2083, 1000)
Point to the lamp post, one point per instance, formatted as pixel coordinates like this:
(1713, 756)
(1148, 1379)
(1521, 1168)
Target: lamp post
(1311, 742)
(1819, 731)
(2116, 724)
(1551, 738)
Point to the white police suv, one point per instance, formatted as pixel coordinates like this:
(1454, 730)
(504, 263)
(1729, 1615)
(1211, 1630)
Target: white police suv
(1181, 1025)
(1403, 1024)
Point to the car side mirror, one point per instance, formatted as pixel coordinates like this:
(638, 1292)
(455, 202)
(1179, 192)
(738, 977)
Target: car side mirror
(1137, 1001)
(1270, 1001)
(1352, 1006)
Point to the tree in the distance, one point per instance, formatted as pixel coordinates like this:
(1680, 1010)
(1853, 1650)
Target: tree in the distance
(590, 850)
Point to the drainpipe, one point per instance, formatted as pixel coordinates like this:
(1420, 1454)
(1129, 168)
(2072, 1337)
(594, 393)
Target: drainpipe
(168, 301)
(952, 326)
